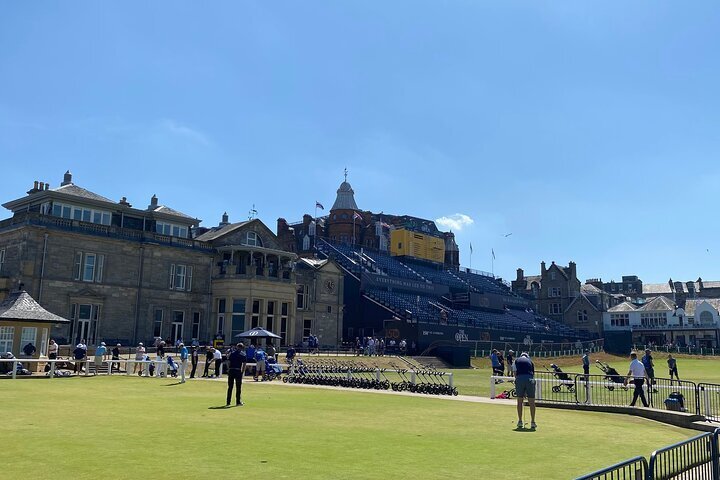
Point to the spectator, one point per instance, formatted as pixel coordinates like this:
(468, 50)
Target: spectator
(270, 350)
(194, 360)
(139, 357)
(358, 346)
(647, 361)
(53, 350)
(100, 356)
(403, 347)
(29, 349)
(116, 358)
(672, 369)
(638, 374)
(237, 361)
(495, 363)
(260, 357)
(161, 350)
(525, 387)
(290, 355)
(183, 361)
(510, 357)
(371, 346)
(501, 359)
(217, 356)
(251, 356)
(586, 364)
(208, 360)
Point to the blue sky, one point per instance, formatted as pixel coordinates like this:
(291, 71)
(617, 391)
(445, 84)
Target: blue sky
(588, 130)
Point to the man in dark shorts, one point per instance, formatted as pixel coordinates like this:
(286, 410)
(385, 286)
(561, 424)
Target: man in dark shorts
(237, 360)
(647, 361)
(525, 387)
(586, 364)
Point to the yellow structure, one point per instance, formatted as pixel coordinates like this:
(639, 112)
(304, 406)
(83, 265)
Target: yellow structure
(414, 244)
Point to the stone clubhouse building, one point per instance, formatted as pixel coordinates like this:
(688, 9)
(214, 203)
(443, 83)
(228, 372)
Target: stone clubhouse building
(127, 274)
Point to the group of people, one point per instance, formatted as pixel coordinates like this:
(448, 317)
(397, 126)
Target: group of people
(374, 346)
(500, 363)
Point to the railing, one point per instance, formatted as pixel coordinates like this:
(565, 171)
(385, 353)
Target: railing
(695, 458)
(689, 350)
(634, 469)
(709, 401)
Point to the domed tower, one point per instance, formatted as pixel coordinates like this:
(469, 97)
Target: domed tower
(345, 214)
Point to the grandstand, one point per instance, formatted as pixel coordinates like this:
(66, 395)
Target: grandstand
(420, 292)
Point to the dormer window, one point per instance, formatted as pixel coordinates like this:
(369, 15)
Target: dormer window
(171, 229)
(252, 239)
(82, 214)
(552, 274)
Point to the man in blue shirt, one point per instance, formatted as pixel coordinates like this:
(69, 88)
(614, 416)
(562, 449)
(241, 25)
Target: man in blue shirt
(525, 387)
(183, 361)
(251, 355)
(237, 360)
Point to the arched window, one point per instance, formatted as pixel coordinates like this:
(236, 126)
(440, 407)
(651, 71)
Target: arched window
(252, 239)
(706, 318)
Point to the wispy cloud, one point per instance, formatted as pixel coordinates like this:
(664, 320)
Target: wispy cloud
(172, 127)
(455, 222)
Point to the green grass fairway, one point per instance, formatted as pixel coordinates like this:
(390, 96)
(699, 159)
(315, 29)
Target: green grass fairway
(128, 427)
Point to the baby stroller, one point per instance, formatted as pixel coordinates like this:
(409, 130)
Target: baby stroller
(272, 369)
(611, 375)
(565, 380)
(172, 366)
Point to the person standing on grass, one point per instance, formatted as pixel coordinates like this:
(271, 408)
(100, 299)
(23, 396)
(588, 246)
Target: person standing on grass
(194, 360)
(237, 360)
(510, 358)
(638, 374)
(647, 361)
(208, 360)
(53, 350)
(586, 364)
(183, 361)
(217, 356)
(525, 387)
(139, 357)
(672, 369)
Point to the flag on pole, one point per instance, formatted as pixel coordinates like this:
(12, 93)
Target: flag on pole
(493, 253)
(471, 248)
(319, 205)
(357, 216)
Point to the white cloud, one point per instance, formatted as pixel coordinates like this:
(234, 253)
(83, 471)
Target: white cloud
(455, 222)
(174, 128)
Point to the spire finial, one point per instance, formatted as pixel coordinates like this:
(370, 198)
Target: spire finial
(346, 174)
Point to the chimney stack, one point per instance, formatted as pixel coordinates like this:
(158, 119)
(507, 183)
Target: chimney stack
(153, 203)
(67, 179)
(225, 220)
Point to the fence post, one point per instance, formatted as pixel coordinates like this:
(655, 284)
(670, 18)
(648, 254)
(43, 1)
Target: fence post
(450, 379)
(52, 369)
(14, 375)
(492, 386)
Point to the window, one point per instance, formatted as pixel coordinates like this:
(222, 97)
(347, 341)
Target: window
(157, 329)
(706, 318)
(582, 316)
(251, 239)
(6, 339)
(176, 332)
(270, 316)
(196, 325)
(181, 277)
(554, 309)
(284, 309)
(307, 328)
(554, 291)
(306, 243)
(329, 309)
(301, 296)
(238, 316)
(29, 335)
(2, 262)
(221, 304)
(89, 267)
(171, 229)
(552, 275)
(255, 320)
(653, 319)
(82, 214)
(619, 319)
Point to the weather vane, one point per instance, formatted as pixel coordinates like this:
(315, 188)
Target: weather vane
(252, 213)
(346, 174)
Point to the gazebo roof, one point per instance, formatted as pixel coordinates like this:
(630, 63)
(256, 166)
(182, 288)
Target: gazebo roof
(21, 306)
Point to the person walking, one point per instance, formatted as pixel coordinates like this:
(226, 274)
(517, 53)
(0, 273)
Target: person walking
(525, 387)
(638, 374)
(194, 360)
(183, 361)
(672, 369)
(237, 361)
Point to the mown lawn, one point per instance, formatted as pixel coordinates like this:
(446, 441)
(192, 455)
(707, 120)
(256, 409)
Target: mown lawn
(128, 427)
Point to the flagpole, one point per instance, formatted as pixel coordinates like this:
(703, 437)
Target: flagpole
(493, 263)
(316, 228)
(354, 213)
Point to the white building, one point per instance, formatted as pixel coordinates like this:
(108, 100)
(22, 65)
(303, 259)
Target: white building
(661, 322)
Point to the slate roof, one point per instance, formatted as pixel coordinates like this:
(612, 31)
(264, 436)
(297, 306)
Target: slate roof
(656, 288)
(21, 306)
(691, 305)
(170, 211)
(75, 191)
(623, 307)
(588, 289)
(224, 230)
(658, 304)
(345, 199)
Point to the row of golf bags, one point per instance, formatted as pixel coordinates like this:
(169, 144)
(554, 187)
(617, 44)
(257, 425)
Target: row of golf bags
(366, 377)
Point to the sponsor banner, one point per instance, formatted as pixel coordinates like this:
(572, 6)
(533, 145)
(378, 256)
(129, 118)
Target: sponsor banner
(495, 301)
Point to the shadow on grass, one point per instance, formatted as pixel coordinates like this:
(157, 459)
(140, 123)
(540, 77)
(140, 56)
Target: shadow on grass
(524, 430)
(172, 384)
(221, 407)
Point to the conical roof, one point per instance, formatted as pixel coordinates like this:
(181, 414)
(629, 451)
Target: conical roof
(345, 199)
(21, 306)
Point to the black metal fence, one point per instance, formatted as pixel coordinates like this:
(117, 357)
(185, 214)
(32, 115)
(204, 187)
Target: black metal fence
(633, 469)
(709, 401)
(697, 458)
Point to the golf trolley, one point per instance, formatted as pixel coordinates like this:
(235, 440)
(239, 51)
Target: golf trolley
(564, 378)
(611, 375)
